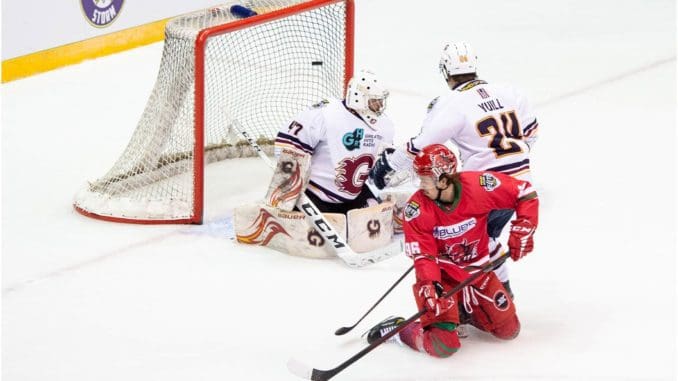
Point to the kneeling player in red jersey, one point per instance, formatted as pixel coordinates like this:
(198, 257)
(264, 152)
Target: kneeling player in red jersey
(446, 236)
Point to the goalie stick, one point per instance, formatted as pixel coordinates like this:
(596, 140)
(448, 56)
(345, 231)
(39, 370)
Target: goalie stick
(301, 370)
(316, 219)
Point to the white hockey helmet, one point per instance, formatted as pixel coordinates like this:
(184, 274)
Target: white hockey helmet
(366, 95)
(457, 58)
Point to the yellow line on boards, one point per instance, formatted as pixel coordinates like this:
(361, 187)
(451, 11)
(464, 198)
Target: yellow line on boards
(50, 59)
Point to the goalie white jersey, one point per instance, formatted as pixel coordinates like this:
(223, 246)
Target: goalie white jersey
(343, 147)
(492, 125)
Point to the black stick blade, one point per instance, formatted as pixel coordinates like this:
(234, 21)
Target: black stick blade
(343, 331)
(304, 371)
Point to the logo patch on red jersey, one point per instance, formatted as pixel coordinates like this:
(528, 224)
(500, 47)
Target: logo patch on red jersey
(411, 211)
(456, 230)
(489, 182)
(501, 301)
(462, 251)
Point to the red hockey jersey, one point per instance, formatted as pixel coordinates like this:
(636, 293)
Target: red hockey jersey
(452, 237)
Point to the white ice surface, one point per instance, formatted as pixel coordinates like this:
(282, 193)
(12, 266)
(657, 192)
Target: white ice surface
(89, 300)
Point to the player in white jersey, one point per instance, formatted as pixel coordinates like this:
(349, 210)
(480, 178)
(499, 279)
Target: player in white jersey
(342, 138)
(492, 125)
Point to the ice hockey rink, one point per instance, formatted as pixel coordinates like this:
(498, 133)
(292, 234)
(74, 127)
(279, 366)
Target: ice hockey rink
(87, 300)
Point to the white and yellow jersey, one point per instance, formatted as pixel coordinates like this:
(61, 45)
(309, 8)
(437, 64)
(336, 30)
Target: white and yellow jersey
(492, 125)
(342, 145)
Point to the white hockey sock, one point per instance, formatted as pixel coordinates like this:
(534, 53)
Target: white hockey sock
(502, 272)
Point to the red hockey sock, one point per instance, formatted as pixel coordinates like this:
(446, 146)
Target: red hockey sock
(438, 340)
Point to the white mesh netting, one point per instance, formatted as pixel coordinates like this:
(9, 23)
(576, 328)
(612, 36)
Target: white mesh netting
(259, 76)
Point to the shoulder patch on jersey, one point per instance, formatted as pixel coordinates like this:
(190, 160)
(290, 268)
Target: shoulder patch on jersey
(321, 104)
(489, 182)
(433, 103)
(411, 211)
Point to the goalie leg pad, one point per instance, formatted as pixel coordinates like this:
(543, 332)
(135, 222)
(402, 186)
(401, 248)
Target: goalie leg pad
(287, 232)
(290, 178)
(399, 200)
(370, 228)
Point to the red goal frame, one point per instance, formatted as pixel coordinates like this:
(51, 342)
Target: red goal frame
(199, 93)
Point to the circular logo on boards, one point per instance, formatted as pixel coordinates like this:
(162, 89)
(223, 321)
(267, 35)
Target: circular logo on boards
(101, 13)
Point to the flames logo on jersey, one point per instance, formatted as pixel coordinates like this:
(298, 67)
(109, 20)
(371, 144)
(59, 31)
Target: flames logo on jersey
(265, 227)
(352, 173)
(463, 251)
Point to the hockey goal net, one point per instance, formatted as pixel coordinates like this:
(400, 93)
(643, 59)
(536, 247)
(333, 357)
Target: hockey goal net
(218, 69)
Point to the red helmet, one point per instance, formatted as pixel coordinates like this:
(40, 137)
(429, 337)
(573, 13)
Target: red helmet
(434, 160)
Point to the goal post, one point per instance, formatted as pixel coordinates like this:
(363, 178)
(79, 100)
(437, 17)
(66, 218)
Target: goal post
(218, 70)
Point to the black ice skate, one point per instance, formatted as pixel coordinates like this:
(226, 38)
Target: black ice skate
(384, 327)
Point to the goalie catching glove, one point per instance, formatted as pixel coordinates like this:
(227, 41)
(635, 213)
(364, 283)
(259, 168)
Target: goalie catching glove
(521, 240)
(391, 168)
(382, 170)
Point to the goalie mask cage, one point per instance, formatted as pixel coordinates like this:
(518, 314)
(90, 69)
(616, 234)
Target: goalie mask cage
(217, 70)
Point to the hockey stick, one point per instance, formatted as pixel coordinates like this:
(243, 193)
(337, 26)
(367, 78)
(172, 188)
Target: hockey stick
(303, 371)
(316, 219)
(376, 192)
(345, 330)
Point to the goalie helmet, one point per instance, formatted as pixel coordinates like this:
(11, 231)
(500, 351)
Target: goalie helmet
(435, 160)
(366, 95)
(457, 58)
